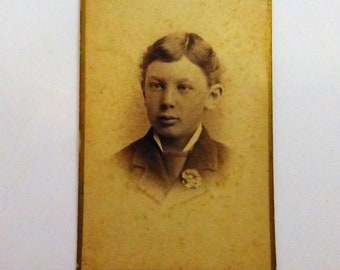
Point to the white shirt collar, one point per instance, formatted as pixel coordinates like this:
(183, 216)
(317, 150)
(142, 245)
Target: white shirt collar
(189, 145)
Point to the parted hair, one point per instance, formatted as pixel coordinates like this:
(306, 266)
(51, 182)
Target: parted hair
(174, 46)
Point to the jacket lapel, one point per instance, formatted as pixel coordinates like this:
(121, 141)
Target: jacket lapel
(153, 181)
(204, 154)
(154, 178)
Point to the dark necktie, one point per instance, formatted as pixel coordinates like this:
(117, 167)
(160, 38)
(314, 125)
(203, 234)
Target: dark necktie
(174, 162)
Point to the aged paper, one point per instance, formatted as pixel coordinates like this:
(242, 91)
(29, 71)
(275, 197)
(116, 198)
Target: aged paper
(126, 222)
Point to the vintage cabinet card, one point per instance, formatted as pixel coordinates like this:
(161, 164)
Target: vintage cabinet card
(175, 168)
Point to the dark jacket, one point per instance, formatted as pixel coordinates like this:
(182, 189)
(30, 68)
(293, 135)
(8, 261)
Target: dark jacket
(142, 160)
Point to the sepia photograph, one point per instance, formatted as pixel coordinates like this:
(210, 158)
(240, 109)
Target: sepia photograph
(176, 135)
(153, 134)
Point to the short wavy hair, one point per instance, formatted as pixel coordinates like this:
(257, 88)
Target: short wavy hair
(174, 46)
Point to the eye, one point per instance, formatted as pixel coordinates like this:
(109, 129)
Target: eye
(156, 86)
(184, 87)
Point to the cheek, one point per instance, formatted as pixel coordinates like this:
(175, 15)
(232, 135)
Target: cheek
(195, 103)
(151, 102)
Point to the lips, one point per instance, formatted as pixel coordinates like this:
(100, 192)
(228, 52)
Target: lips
(167, 120)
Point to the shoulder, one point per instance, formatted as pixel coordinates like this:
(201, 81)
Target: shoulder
(212, 148)
(223, 152)
(126, 155)
(128, 151)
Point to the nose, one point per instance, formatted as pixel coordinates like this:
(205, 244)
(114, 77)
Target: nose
(168, 98)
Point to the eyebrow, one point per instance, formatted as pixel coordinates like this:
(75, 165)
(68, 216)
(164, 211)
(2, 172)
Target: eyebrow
(181, 80)
(184, 80)
(156, 78)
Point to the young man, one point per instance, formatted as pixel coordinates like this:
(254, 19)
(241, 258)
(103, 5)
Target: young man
(180, 81)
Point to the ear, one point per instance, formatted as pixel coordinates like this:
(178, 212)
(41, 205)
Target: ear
(215, 93)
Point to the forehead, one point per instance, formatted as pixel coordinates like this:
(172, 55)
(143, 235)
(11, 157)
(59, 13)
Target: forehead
(181, 69)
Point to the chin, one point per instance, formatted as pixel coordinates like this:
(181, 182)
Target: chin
(170, 135)
(168, 132)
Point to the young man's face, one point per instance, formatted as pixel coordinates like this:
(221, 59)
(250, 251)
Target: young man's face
(176, 95)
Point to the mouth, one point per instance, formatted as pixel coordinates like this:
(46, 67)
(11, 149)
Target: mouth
(167, 120)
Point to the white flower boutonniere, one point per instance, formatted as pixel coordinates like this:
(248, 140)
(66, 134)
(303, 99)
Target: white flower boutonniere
(191, 178)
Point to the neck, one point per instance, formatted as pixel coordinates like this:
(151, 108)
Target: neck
(175, 144)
